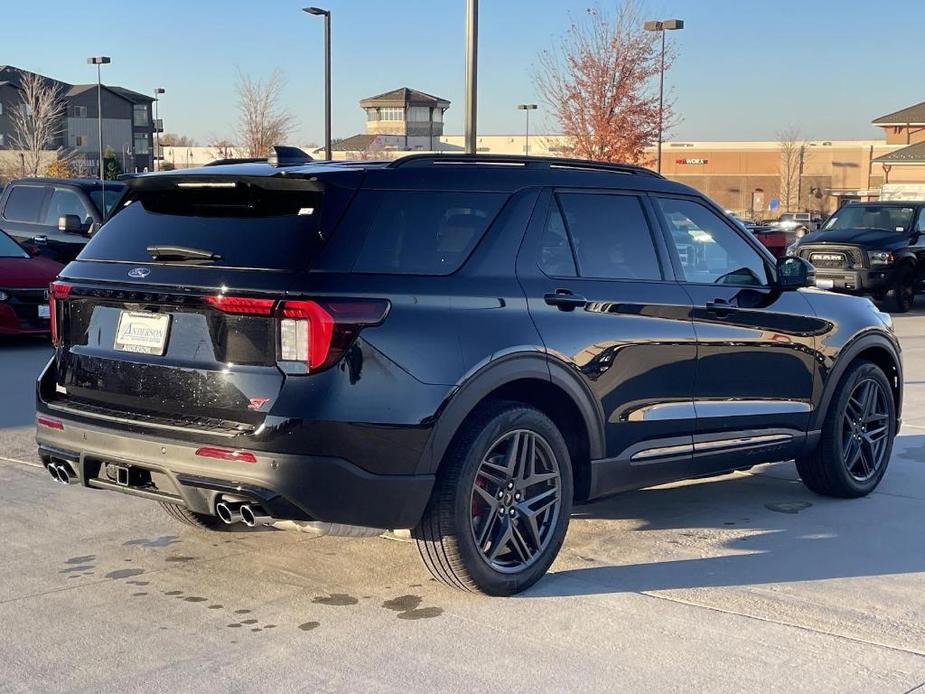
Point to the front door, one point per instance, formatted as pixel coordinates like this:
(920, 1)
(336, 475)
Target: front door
(756, 344)
(597, 284)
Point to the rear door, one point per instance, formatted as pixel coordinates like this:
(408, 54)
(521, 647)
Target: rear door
(603, 299)
(22, 210)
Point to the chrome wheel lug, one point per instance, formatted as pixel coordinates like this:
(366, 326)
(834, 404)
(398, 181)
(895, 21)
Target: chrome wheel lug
(510, 485)
(517, 496)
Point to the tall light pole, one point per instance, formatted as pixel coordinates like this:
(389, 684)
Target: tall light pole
(318, 12)
(526, 108)
(472, 68)
(662, 26)
(100, 60)
(157, 140)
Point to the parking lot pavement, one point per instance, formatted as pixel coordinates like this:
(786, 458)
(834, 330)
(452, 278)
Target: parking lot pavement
(746, 582)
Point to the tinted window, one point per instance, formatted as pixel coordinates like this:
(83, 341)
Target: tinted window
(611, 236)
(711, 252)
(247, 225)
(10, 249)
(112, 197)
(24, 204)
(65, 201)
(920, 225)
(556, 257)
(419, 232)
(886, 217)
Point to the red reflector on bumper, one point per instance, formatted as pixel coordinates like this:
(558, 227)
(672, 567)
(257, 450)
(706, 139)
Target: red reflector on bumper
(226, 454)
(49, 423)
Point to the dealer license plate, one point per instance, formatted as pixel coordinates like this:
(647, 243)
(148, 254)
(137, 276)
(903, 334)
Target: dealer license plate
(142, 333)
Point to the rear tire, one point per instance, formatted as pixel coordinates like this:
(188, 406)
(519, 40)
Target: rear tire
(902, 296)
(201, 521)
(506, 480)
(851, 456)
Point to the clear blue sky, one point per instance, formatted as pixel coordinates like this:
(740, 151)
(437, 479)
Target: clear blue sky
(746, 69)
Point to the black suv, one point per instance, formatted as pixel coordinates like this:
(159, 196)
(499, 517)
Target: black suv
(462, 346)
(56, 216)
(873, 248)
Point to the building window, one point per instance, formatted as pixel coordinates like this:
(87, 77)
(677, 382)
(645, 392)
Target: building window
(1, 108)
(391, 114)
(141, 115)
(2, 140)
(141, 145)
(419, 114)
(79, 111)
(80, 140)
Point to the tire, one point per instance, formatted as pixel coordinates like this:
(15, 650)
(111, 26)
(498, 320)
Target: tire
(901, 296)
(826, 470)
(201, 521)
(481, 489)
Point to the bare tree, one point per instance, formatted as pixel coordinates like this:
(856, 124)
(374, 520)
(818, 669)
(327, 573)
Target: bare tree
(174, 140)
(38, 119)
(792, 159)
(221, 147)
(262, 121)
(598, 81)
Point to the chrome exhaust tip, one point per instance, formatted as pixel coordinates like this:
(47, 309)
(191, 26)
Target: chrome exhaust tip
(65, 475)
(228, 512)
(53, 471)
(253, 516)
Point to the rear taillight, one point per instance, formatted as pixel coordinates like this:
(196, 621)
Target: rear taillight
(57, 291)
(49, 422)
(242, 305)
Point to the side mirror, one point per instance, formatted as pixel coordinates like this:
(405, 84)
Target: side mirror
(794, 273)
(70, 222)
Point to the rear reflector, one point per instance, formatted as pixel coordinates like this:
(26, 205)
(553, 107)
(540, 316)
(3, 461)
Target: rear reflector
(49, 423)
(226, 454)
(241, 305)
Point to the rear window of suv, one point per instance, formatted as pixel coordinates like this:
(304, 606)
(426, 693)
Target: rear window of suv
(419, 232)
(248, 226)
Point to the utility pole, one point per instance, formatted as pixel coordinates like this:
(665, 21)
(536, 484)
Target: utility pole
(472, 64)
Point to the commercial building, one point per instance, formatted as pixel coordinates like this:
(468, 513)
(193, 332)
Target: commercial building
(128, 128)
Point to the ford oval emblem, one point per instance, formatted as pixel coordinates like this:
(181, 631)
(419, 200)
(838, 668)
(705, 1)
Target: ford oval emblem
(139, 272)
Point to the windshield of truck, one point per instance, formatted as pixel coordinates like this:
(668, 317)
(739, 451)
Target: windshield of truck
(885, 217)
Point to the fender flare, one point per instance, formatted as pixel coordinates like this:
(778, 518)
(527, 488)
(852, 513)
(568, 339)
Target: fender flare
(497, 373)
(847, 355)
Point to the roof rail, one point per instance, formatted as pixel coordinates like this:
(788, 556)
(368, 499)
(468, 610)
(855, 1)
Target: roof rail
(517, 160)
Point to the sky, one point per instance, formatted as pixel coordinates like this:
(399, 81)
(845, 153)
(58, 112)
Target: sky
(745, 69)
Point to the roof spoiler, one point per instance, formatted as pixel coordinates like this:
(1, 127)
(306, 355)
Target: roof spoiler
(288, 156)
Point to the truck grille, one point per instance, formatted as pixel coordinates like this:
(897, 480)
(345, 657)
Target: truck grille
(25, 304)
(832, 257)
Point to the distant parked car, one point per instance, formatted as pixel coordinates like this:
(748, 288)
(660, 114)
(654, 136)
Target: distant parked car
(24, 281)
(57, 215)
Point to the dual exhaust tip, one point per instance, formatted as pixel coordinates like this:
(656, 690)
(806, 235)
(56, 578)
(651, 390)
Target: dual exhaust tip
(232, 512)
(62, 473)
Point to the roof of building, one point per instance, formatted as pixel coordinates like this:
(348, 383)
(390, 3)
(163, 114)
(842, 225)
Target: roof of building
(911, 115)
(355, 143)
(135, 97)
(13, 78)
(404, 96)
(913, 154)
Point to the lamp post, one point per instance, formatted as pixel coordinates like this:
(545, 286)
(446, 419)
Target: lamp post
(526, 108)
(157, 140)
(472, 68)
(318, 12)
(100, 60)
(662, 26)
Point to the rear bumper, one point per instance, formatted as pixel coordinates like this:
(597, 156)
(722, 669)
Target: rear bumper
(292, 487)
(858, 280)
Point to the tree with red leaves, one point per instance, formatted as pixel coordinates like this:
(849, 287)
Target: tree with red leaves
(601, 84)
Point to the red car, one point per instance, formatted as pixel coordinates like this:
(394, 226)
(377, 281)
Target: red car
(24, 283)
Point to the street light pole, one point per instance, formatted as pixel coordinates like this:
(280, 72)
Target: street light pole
(526, 108)
(662, 26)
(317, 11)
(472, 67)
(100, 60)
(157, 140)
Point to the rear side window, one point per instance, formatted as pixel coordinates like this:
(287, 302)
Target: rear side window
(24, 204)
(611, 236)
(419, 232)
(247, 225)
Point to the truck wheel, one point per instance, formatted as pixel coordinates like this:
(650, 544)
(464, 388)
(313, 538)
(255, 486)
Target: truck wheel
(857, 436)
(201, 521)
(500, 509)
(902, 296)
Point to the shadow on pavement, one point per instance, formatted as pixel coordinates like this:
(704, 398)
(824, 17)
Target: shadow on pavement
(21, 361)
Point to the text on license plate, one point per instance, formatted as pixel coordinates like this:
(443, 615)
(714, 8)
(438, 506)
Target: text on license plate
(44, 311)
(143, 333)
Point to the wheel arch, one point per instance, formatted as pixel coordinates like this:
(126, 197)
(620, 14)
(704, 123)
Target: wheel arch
(529, 378)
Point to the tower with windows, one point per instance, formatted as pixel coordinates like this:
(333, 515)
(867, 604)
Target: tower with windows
(407, 113)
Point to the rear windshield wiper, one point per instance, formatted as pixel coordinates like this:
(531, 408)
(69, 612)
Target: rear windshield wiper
(180, 253)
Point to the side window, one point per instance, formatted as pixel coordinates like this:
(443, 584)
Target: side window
(710, 251)
(611, 236)
(920, 225)
(64, 201)
(556, 257)
(419, 232)
(24, 204)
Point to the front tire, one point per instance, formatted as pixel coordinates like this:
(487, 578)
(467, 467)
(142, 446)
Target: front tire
(902, 296)
(857, 436)
(500, 509)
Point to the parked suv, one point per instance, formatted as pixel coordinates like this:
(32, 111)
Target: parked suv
(463, 346)
(873, 248)
(56, 216)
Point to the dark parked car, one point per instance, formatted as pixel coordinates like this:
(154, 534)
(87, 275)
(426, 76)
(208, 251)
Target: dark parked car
(463, 346)
(873, 248)
(24, 281)
(57, 216)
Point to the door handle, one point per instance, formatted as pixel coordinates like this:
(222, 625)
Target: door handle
(720, 307)
(565, 300)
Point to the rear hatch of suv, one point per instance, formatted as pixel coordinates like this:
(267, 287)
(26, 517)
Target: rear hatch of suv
(176, 313)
